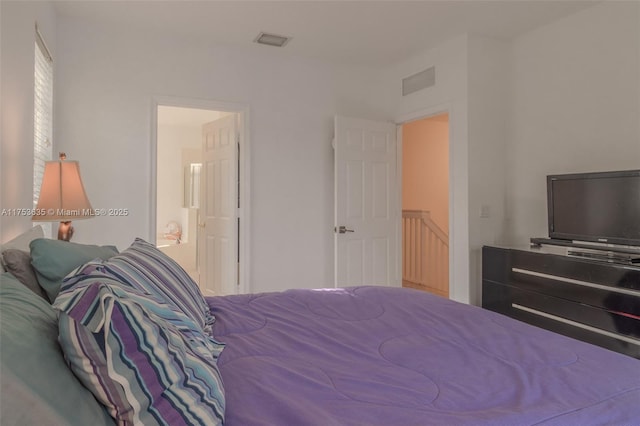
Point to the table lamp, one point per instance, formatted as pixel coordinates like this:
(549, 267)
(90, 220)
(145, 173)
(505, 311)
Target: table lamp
(62, 196)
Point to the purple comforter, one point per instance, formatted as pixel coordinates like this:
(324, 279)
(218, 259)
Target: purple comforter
(388, 356)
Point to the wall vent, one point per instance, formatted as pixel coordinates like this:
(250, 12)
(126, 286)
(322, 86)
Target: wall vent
(419, 81)
(272, 39)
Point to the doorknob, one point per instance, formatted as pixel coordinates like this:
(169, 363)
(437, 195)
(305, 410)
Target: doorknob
(343, 229)
(202, 225)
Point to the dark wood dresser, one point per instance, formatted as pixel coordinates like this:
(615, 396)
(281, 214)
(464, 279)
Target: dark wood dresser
(590, 300)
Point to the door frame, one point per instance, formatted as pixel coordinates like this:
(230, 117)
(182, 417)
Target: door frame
(420, 115)
(244, 212)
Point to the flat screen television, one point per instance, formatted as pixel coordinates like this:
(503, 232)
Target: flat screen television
(601, 207)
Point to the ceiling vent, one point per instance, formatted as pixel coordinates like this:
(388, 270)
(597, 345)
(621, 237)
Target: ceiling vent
(419, 81)
(272, 39)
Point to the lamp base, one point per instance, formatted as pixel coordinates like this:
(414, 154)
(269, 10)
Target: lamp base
(65, 231)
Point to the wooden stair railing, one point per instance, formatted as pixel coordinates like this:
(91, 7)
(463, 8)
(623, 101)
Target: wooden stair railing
(425, 253)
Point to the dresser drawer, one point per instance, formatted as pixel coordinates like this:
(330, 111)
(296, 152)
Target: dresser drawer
(598, 272)
(589, 300)
(496, 264)
(594, 325)
(597, 294)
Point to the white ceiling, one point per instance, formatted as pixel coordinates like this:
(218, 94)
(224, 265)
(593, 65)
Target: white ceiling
(372, 33)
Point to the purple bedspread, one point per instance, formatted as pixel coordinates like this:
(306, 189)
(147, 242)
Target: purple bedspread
(388, 356)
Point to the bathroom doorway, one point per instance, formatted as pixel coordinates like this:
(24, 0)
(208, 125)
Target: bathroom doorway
(183, 207)
(179, 159)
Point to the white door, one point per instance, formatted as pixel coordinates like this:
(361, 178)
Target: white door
(218, 224)
(366, 203)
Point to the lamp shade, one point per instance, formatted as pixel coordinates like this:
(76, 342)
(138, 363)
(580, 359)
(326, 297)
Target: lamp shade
(62, 196)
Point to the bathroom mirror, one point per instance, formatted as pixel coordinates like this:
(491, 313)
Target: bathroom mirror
(192, 185)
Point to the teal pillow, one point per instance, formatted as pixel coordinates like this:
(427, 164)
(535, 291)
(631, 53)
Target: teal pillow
(55, 259)
(36, 382)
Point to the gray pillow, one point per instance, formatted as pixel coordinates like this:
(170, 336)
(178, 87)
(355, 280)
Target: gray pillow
(21, 242)
(18, 262)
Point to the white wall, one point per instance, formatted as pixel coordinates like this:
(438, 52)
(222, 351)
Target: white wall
(488, 83)
(572, 102)
(107, 80)
(575, 106)
(16, 84)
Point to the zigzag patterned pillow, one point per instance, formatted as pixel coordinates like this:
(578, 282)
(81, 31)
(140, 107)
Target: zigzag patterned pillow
(143, 359)
(144, 267)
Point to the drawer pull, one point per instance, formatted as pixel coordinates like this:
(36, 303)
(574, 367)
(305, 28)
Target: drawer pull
(629, 292)
(577, 324)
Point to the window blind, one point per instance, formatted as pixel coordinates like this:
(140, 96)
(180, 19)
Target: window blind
(42, 113)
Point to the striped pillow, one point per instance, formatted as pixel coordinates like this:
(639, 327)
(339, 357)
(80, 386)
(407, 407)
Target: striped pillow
(146, 268)
(144, 360)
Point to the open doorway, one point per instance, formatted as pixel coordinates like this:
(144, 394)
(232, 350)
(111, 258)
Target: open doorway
(425, 204)
(179, 161)
(185, 198)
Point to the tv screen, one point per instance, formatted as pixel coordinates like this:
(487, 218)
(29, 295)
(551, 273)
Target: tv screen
(598, 207)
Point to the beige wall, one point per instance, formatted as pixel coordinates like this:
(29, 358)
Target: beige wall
(425, 168)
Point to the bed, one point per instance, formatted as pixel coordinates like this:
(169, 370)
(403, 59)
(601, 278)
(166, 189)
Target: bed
(390, 356)
(129, 329)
